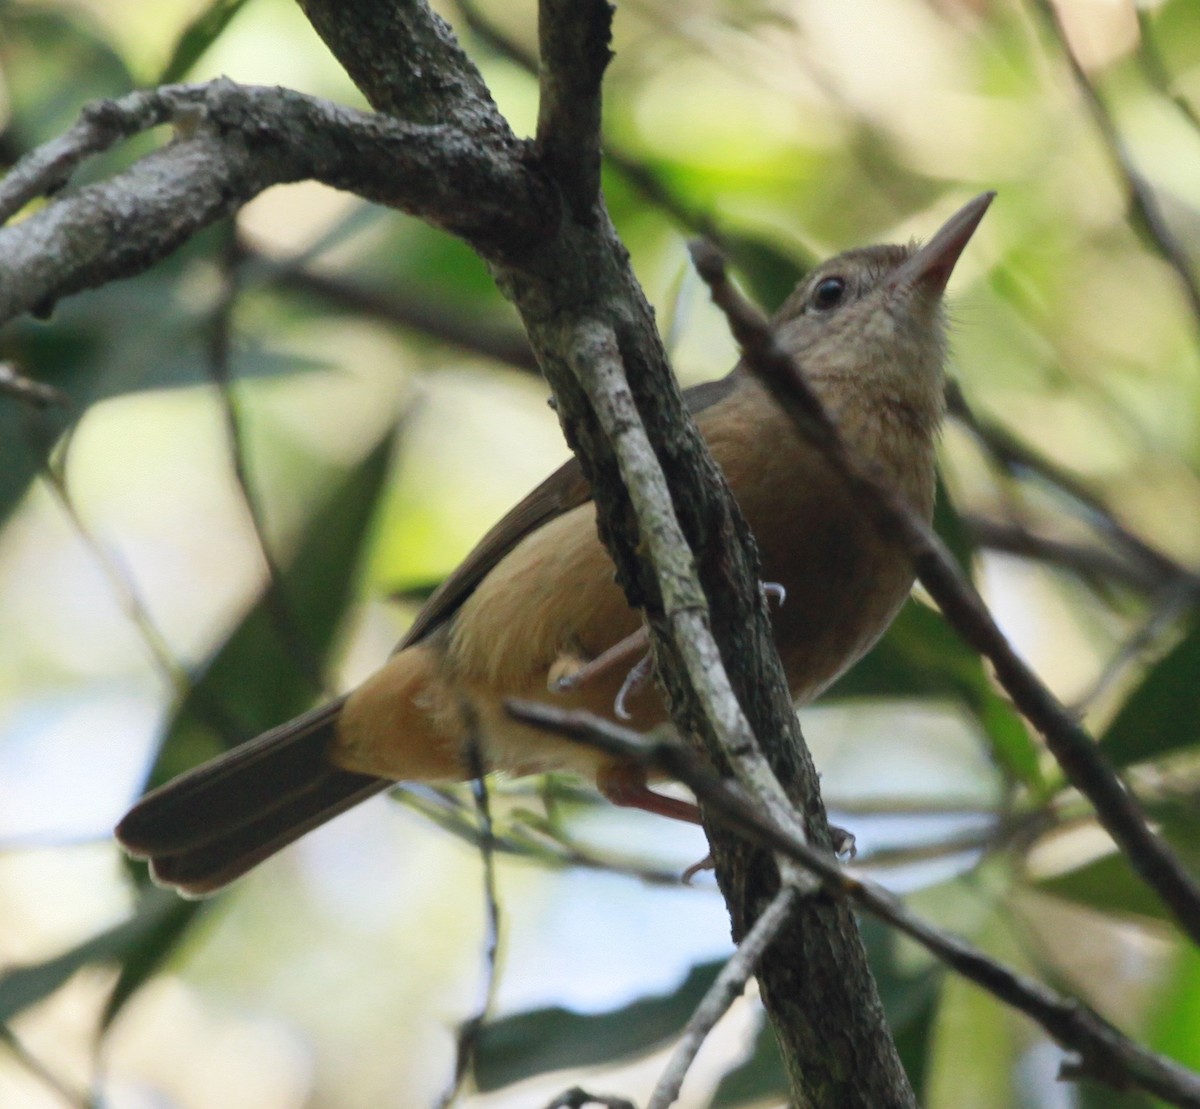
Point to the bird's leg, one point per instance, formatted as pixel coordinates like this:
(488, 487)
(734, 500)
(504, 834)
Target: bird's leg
(570, 673)
(625, 784)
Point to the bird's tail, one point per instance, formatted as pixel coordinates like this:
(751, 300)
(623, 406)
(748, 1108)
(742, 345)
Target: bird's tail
(209, 826)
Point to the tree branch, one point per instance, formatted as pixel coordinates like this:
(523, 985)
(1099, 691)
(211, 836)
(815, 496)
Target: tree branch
(597, 364)
(232, 143)
(724, 991)
(573, 280)
(399, 306)
(1080, 757)
(1106, 1054)
(573, 38)
(1144, 213)
(405, 59)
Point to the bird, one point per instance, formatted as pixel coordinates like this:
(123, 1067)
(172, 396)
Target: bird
(534, 610)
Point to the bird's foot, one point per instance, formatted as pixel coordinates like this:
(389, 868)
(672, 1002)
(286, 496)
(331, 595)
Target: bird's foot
(773, 591)
(843, 843)
(570, 673)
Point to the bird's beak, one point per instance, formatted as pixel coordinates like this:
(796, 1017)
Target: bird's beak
(930, 267)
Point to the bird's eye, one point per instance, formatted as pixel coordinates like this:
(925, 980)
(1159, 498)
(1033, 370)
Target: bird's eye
(829, 293)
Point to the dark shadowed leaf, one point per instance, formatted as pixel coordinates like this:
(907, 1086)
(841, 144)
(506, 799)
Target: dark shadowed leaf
(949, 526)
(542, 1040)
(270, 668)
(158, 913)
(1162, 715)
(155, 943)
(197, 37)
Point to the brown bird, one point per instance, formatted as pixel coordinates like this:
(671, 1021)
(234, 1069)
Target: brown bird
(535, 605)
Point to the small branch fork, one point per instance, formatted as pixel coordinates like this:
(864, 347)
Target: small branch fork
(1076, 750)
(232, 142)
(1104, 1053)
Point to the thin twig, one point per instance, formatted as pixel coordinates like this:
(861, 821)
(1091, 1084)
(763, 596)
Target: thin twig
(1105, 1053)
(1138, 645)
(220, 347)
(400, 307)
(1077, 752)
(1016, 458)
(525, 839)
(470, 1029)
(28, 391)
(1086, 560)
(78, 1098)
(1144, 213)
(124, 590)
(724, 991)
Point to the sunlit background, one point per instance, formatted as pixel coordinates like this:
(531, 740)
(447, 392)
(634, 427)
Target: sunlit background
(337, 974)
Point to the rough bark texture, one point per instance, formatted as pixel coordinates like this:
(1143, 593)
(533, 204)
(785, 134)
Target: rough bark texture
(815, 979)
(439, 149)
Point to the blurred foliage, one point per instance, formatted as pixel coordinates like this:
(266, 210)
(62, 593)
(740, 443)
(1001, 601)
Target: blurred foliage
(785, 129)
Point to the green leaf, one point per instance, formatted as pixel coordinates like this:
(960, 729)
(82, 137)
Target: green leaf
(909, 994)
(1162, 715)
(1109, 885)
(542, 1040)
(53, 63)
(157, 912)
(92, 353)
(154, 945)
(270, 667)
(197, 37)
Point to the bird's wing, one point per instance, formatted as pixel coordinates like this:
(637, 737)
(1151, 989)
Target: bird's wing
(562, 491)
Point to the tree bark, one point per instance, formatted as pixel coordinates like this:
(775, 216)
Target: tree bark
(815, 980)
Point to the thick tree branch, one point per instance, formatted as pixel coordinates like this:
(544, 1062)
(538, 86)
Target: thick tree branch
(573, 38)
(233, 142)
(576, 277)
(407, 63)
(1080, 757)
(1105, 1053)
